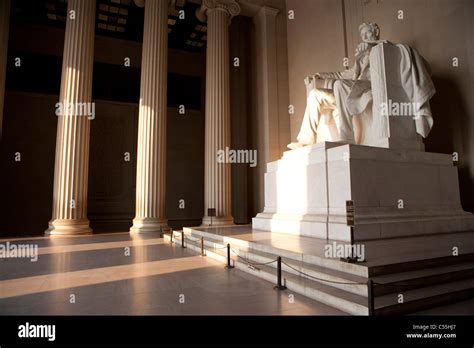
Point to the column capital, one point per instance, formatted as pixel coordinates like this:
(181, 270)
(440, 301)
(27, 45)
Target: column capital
(231, 7)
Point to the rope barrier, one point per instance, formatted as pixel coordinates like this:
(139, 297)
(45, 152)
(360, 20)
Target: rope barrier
(214, 247)
(253, 263)
(193, 239)
(370, 283)
(248, 262)
(321, 279)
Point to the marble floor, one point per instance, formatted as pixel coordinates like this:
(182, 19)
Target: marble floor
(114, 274)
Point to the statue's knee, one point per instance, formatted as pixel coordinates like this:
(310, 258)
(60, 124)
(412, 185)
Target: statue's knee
(337, 88)
(337, 85)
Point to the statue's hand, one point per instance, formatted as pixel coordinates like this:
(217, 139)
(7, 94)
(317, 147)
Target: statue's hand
(363, 47)
(360, 48)
(323, 76)
(317, 76)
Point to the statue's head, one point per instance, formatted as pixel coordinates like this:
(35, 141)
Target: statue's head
(369, 32)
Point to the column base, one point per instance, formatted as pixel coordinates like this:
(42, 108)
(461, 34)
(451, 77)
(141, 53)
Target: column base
(217, 221)
(67, 227)
(147, 225)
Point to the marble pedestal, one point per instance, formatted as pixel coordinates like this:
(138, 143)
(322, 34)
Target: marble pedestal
(395, 192)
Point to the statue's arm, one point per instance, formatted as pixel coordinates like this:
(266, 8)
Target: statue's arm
(326, 80)
(349, 74)
(339, 75)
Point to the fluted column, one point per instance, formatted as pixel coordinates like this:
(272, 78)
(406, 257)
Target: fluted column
(217, 180)
(4, 26)
(72, 142)
(151, 155)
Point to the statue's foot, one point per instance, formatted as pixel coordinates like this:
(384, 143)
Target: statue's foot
(294, 146)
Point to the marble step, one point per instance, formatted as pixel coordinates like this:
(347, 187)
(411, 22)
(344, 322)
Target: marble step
(254, 256)
(414, 284)
(330, 295)
(419, 264)
(344, 281)
(425, 298)
(401, 281)
(334, 264)
(260, 257)
(314, 270)
(399, 271)
(395, 283)
(423, 267)
(337, 298)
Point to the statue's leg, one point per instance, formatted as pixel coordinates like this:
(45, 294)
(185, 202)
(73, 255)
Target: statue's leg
(309, 126)
(342, 88)
(319, 106)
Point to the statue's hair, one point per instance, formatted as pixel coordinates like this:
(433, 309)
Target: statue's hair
(373, 27)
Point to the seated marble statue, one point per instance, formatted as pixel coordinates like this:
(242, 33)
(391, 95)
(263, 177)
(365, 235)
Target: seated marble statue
(338, 96)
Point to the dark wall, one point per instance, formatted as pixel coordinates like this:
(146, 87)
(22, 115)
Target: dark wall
(26, 186)
(185, 168)
(240, 114)
(111, 200)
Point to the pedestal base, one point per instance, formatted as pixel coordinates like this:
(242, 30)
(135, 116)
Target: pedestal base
(395, 192)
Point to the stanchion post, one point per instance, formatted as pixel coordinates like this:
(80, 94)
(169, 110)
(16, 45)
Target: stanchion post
(228, 266)
(279, 285)
(202, 246)
(171, 237)
(352, 242)
(371, 297)
(182, 240)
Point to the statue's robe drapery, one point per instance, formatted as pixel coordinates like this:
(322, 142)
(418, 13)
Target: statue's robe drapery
(418, 85)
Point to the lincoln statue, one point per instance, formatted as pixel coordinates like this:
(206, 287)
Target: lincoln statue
(337, 96)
